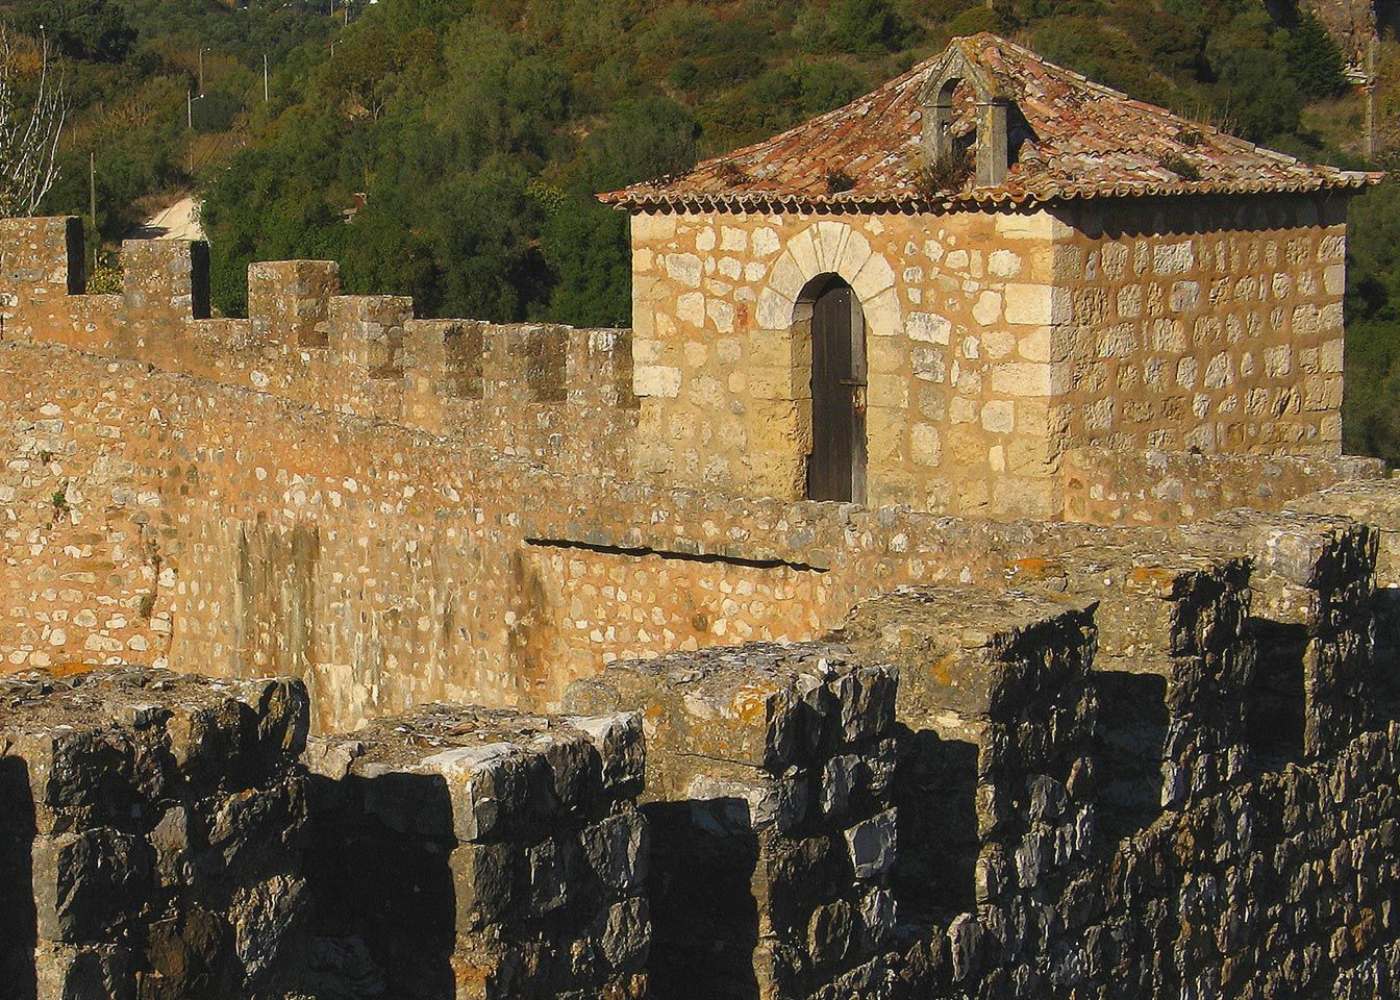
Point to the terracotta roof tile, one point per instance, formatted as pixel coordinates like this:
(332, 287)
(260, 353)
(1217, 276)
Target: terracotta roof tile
(1085, 141)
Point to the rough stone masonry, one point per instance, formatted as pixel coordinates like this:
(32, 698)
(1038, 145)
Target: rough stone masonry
(1110, 711)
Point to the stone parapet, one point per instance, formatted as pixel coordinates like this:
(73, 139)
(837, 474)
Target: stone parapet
(1312, 617)
(997, 717)
(768, 791)
(1376, 503)
(157, 822)
(1107, 486)
(289, 301)
(519, 837)
(1174, 669)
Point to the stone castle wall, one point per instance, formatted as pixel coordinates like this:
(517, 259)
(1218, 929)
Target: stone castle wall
(1211, 327)
(807, 827)
(957, 315)
(155, 518)
(1213, 807)
(558, 396)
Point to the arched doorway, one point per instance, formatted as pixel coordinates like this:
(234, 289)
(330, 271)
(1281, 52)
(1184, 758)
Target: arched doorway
(836, 465)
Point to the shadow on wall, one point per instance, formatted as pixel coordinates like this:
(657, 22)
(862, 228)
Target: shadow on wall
(704, 915)
(18, 917)
(386, 907)
(1277, 718)
(276, 577)
(935, 790)
(1133, 741)
(530, 640)
(1387, 654)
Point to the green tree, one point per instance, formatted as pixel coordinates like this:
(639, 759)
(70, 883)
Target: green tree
(1255, 87)
(585, 243)
(1314, 59)
(1371, 412)
(862, 26)
(82, 29)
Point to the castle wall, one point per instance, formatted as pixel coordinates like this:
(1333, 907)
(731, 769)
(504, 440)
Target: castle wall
(227, 530)
(1102, 486)
(557, 396)
(402, 510)
(1211, 325)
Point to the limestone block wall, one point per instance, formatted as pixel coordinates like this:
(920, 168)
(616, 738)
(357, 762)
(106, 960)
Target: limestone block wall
(218, 528)
(1210, 325)
(958, 314)
(160, 824)
(999, 716)
(1313, 617)
(1174, 669)
(1373, 503)
(1275, 886)
(151, 835)
(994, 342)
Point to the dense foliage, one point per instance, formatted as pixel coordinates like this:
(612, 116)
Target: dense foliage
(130, 69)
(477, 132)
(1371, 414)
(449, 149)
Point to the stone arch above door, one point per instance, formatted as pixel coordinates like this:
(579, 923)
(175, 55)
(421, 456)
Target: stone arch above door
(831, 247)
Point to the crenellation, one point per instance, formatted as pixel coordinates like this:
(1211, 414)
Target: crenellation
(1313, 586)
(527, 358)
(165, 283)
(289, 301)
(153, 819)
(520, 836)
(367, 332)
(993, 786)
(768, 795)
(304, 343)
(443, 362)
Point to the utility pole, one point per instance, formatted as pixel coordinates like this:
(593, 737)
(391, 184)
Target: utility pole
(1371, 97)
(201, 71)
(265, 92)
(189, 109)
(92, 204)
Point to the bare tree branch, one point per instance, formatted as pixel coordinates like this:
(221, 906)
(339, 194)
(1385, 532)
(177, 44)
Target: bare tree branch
(29, 131)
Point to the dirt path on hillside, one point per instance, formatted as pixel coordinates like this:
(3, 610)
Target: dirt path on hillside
(179, 221)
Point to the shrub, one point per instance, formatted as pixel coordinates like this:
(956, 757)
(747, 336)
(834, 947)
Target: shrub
(938, 176)
(1180, 166)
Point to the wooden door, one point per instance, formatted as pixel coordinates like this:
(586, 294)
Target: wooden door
(836, 467)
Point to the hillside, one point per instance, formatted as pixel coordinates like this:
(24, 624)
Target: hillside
(477, 132)
(449, 149)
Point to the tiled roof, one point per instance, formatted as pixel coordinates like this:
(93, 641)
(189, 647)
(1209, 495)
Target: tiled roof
(1086, 141)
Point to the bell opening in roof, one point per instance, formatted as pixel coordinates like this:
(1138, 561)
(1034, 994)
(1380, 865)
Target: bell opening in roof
(955, 79)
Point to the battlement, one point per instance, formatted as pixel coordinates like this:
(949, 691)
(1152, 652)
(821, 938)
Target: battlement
(564, 398)
(549, 393)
